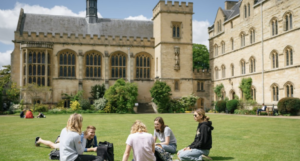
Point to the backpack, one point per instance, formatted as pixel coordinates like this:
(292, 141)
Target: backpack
(106, 150)
(54, 154)
(162, 155)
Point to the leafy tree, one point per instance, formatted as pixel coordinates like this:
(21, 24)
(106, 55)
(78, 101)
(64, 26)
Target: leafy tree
(34, 91)
(1, 101)
(5, 79)
(13, 92)
(189, 101)
(200, 57)
(160, 93)
(218, 90)
(246, 87)
(98, 91)
(76, 97)
(121, 96)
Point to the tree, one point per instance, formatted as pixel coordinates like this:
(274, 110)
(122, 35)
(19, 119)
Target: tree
(5, 73)
(76, 97)
(160, 92)
(246, 87)
(200, 57)
(98, 91)
(13, 93)
(189, 101)
(1, 101)
(122, 96)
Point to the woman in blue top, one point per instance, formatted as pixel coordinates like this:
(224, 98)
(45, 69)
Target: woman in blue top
(165, 136)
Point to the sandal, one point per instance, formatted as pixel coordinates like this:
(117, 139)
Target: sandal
(36, 140)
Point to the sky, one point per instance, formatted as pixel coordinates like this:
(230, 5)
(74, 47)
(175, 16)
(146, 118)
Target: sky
(204, 15)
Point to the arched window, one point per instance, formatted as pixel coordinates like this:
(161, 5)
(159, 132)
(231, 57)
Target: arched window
(275, 92)
(243, 67)
(67, 63)
(232, 70)
(288, 19)
(252, 36)
(223, 71)
(289, 56)
(274, 24)
(118, 65)
(216, 50)
(248, 10)
(274, 59)
(216, 73)
(245, 11)
(143, 66)
(252, 65)
(232, 94)
(223, 94)
(242, 36)
(253, 93)
(176, 86)
(223, 47)
(289, 90)
(93, 64)
(232, 44)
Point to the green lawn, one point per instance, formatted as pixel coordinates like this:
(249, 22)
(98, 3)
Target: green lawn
(234, 138)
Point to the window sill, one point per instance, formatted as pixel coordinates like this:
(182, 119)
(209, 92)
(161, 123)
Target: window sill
(200, 90)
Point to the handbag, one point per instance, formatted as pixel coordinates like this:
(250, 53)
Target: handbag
(106, 150)
(54, 154)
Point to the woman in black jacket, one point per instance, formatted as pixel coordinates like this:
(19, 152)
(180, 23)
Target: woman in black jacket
(201, 146)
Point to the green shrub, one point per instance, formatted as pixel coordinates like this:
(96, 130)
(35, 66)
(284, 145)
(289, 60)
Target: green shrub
(85, 104)
(40, 108)
(176, 106)
(100, 103)
(293, 106)
(232, 105)
(220, 106)
(282, 103)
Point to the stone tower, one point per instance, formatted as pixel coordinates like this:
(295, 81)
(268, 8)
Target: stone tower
(172, 27)
(91, 11)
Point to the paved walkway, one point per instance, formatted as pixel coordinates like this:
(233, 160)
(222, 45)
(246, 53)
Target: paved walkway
(265, 116)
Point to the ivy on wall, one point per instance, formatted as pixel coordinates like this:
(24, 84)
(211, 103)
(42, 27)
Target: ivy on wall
(218, 90)
(246, 88)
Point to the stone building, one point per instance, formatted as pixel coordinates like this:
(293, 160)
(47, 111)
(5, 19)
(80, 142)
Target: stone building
(74, 53)
(256, 39)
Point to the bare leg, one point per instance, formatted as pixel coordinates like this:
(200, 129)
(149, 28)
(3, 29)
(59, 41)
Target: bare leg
(47, 143)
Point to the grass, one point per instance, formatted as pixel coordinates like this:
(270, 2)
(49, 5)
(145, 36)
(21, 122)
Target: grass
(234, 137)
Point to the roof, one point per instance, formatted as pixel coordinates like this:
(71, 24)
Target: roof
(78, 25)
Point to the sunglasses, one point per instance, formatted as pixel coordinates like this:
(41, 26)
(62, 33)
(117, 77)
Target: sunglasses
(195, 115)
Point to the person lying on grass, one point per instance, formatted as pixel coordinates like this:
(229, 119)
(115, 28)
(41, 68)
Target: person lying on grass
(165, 136)
(88, 138)
(202, 144)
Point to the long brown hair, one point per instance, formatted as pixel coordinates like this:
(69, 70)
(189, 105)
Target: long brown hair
(200, 111)
(162, 123)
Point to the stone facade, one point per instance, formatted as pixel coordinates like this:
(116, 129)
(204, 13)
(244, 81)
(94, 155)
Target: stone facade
(257, 39)
(82, 52)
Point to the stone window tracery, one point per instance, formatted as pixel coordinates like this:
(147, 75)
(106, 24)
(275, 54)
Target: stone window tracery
(288, 20)
(223, 71)
(243, 67)
(274, 60)
(252, 36)
(118, 65)
(275, 92)
(274, 25)
(67, 63)
(93, 61)
(143, 66)
(289, 90)
(289, 56)
(252, 65)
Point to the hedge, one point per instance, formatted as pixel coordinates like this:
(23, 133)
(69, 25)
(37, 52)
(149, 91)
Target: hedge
(232, 105)
(220, 106)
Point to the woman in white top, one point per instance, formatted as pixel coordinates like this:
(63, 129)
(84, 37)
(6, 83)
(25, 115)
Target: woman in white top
(165, 135)
(141, 142)
(70, 147)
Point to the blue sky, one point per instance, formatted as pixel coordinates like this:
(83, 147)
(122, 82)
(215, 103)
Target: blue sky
(205, 12)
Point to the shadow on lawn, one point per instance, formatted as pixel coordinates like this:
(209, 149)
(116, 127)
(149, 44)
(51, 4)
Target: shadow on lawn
(221, 158)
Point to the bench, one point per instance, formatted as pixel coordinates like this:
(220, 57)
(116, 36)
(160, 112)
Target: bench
(269, 111)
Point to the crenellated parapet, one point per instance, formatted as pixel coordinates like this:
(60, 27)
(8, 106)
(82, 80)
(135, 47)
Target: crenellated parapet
(81, 39)
(202, 74)
(169, 7)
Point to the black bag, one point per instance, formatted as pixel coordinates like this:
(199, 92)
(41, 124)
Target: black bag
(54, 154)
(106, 150)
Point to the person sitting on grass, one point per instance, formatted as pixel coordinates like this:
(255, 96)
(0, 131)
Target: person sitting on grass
(263, 108)
(88, 138)
(41, 115)
(202, 144)
(165, 135)
(22, 114)
(29, 115)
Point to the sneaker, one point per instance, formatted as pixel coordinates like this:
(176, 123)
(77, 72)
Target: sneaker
(37, 139)
(204, 157)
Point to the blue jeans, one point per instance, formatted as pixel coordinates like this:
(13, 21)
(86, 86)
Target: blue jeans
(171, 148)
(192, 154)
(258, 111)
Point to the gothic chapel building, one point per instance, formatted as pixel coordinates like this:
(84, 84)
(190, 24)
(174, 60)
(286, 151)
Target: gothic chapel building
(69, 54)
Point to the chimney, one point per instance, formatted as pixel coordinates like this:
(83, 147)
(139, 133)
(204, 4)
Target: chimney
(91, 11)
(229, 4)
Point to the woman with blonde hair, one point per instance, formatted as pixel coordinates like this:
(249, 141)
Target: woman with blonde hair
(141, 142)
(202, 144)
(70, 146)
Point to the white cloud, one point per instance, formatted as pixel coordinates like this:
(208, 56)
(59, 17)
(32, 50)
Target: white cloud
(200, 32)
(140, 17)
(9, 18)
(5, 58)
